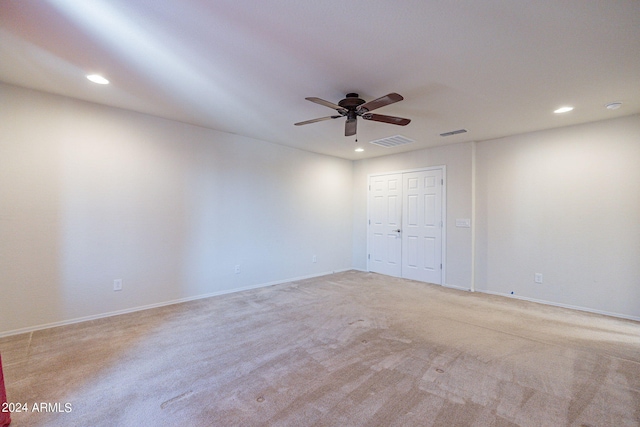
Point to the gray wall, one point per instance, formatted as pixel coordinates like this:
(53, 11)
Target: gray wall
(89, 194)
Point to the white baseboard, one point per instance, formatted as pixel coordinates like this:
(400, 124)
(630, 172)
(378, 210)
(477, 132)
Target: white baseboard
(278, 282)
(557, 304)
(460, 288)
(162, 304)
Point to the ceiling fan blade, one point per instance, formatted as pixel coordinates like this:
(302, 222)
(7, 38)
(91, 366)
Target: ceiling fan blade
(350, 127)
(386, 119)
(306, 122)
(326, 103)
(380, 102)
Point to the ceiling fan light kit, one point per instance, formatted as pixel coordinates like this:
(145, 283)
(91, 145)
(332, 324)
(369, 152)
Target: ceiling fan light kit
(352, 107)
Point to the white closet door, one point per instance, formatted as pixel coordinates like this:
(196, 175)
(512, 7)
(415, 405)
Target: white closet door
(422, 226)
(385, 222)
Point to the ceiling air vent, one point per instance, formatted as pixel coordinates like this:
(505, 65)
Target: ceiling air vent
(392, 141)
(453, 132)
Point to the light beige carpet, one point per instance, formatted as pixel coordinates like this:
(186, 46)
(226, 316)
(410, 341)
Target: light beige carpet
(349, 349)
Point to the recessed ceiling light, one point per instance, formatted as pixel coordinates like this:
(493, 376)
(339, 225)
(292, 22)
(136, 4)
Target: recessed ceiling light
(96, 78)
(613, 105)
(359, 150)
(563, 110)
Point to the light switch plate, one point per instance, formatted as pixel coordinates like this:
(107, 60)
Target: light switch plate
(463, 222)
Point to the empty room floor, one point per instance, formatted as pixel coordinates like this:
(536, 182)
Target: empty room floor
(347, 349)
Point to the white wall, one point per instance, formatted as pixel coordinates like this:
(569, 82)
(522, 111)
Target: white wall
(457, 159)
(564, 203)
(90, 193)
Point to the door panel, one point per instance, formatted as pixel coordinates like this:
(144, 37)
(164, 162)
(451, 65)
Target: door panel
(411, 252)
(393, 254)
(430, 216)
(422, 232)
(412, 210)
(378, 247)
(385, 219)
(393, 211)
(406, 225)
(430, 253)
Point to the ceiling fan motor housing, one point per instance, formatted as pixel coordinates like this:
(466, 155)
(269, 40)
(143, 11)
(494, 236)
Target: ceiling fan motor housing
(353, 106)
(352, 101)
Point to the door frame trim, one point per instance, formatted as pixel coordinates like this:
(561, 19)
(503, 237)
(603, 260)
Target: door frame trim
(444, 212)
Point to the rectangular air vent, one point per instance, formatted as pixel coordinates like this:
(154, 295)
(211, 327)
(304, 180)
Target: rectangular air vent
(392, 141)
(453, 132)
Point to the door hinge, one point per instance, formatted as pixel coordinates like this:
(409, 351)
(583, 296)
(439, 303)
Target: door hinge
(369, 256)
(369, 222)
(442, 181)
(369, 188)
(440, 266)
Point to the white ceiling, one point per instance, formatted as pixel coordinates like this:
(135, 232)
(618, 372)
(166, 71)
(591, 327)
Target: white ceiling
(493, 67)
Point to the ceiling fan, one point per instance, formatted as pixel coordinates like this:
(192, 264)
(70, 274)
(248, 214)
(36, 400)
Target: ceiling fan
(352, 106)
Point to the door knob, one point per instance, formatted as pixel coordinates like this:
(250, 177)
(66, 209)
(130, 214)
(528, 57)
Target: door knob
(397, 231)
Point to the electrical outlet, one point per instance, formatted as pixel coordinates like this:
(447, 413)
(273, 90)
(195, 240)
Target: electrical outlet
(117, 285)
(314, 259)
(237, 269)
(537, 277)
